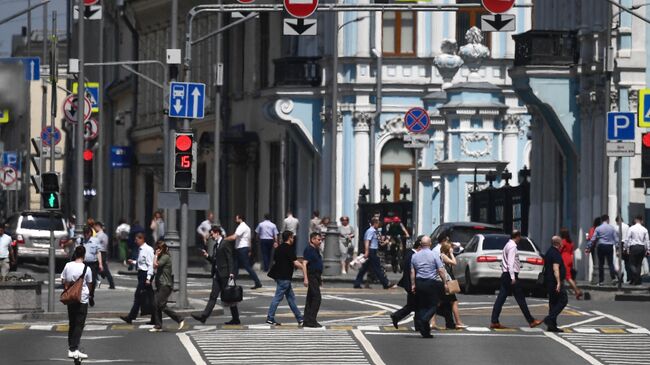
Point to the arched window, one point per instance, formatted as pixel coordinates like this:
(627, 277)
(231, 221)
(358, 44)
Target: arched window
(397, 163)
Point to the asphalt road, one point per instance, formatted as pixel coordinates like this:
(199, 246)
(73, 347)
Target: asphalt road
(357, 331)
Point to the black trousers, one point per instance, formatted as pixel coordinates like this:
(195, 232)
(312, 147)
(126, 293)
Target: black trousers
(77, 313)
(162, 295)
(106, 274)
(605, 253)
(140, 292)
(217, 284)
(411, 305)
(444, 310)
(506, 289)
(94, 266)
(313, 299)
(637, 253)
(556, 303)
(427, 292)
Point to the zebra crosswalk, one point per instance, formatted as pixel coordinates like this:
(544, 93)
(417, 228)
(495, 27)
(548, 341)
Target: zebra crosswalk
(619, 349)
(275, 347)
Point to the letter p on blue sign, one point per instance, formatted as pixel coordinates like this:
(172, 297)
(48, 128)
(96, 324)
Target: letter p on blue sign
(620, 126)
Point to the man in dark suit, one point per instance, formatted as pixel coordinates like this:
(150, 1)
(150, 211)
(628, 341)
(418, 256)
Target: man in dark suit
(223, 269)
(405, 283)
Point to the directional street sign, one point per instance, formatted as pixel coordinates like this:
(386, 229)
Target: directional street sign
(47, 135)
(417, 120)
(498, 23)
(498, 6)
(8, 175)
(4, 116)
(32, 68)
(300, 8)
(10, 158)
(92, 12)
(620, 126)
(300, 27)
(644, 108)
(70, 108)
(92, 93)
(186, 100)
(239, 14)
(91, 129)
(620, 149)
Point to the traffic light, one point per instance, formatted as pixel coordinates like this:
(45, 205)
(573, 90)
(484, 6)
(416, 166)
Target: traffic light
(183, 161)
(88, 191)
(645, 155)
(36, 162)
(50, 191)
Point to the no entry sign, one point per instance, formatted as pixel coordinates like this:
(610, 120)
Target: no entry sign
(300, 8)
(498, 6)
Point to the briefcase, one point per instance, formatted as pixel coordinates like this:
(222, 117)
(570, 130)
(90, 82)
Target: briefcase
(232, 293)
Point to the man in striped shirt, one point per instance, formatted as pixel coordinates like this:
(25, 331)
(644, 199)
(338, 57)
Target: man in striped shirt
(510, 268)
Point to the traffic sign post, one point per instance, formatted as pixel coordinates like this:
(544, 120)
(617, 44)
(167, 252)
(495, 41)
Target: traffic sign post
(644, 108)
(498, 6)
(91, 129)
(300, 8)
(186, 100)
(417, 120)
(498, 23)
(70, 108)
(620, 126)
(8, 176)
(92, 93)
(48, 136)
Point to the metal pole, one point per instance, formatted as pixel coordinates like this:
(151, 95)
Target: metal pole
(416, 192)
(53, 80)
(217, 120)
(81, 95)
(619, 184)
(374, 124)
(41, 162)
(101, 149)
(29, 9)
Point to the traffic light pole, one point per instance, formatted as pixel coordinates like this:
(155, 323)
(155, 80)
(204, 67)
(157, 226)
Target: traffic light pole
(53, 80)
(79, 128)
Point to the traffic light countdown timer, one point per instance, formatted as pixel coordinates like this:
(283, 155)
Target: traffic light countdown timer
(184, 161)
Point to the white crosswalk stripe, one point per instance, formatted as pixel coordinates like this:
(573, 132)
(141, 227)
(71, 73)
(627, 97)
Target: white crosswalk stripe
(620, 349)
(278, 346)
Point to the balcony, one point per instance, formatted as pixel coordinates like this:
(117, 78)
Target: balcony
(298, 71)
(543, 47)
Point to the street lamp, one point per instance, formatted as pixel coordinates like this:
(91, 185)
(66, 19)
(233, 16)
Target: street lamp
(378, 105)
(331, 264)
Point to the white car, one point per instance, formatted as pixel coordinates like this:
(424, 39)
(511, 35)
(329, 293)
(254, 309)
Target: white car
(479, 265)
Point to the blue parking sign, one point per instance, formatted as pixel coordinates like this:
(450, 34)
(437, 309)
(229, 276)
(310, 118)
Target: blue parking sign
(620, 126)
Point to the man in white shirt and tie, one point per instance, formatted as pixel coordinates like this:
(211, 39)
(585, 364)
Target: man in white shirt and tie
(144, 265)
(637, 246)
(242, 238)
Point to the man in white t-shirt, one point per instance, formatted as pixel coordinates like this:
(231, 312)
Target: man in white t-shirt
(6, 253)
(77, 312)
(242, 238)
(203, 230)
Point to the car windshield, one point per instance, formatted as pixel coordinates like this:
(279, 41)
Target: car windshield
(41, 223)
(498, 242)
(462, 235)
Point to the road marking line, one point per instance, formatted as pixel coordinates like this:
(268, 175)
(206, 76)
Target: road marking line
(639, 330)
(585, 330)
(583, 322)
(451, 334)
(368, 328)
(191, 350)
(95, 327)
(367, 346)
(616, 319)
(259, 326)
(478, 329)
(89, 337)
(15, 327)
(41, 327)
(573, 348)
(528, 329)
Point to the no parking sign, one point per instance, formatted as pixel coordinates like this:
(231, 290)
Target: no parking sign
(417, 120)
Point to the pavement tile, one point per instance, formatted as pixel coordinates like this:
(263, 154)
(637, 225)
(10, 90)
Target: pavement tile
(341, 328)
(586, 330)
(232, 327)
(122, 327)
(505, 330)
(14, 327)
(612, 330)
(65, 328)
(393, 329)
(528, 329)
(95, 327)
(41, 327)
(478, 329)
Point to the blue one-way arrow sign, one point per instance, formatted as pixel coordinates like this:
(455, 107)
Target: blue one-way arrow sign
(187, 100)
(31, 65)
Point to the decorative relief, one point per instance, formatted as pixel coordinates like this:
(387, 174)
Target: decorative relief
(524, 127)
(439, 152)
(469, 138)
(393, 126)
(634, 99)
(362, 122)
(469, 187)
(613, 100)
(511, 123)
(448, 62)
(474, 52)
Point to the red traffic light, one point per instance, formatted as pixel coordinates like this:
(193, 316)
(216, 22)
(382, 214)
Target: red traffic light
(88, 155)
(646, 140)
(183, 142)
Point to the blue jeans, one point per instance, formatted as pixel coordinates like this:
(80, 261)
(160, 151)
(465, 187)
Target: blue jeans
(267, 249)
(242, 259)
(283, 289)
(373, 264)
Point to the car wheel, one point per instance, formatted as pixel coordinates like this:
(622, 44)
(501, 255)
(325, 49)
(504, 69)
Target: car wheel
(469, 287)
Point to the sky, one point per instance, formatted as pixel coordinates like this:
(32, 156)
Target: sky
(9, 7)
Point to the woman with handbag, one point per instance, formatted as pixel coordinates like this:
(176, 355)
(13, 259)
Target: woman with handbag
(567, 252)
(448, 300)
(162, 262)
(447, 255)
(223, 271)
(77, 279)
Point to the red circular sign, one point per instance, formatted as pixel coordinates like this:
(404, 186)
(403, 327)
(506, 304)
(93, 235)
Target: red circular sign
(183, 142)
(88, 155)
(90, 2)
(498, 6)
(8, 175)
(646, 140)
(300, 8)
(245, 1)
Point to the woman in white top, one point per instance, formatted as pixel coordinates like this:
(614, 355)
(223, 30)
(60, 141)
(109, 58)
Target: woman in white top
(77, 311)
(157, 226)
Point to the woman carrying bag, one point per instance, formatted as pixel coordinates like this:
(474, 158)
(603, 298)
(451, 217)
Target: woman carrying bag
(162, 262)
(76, 278)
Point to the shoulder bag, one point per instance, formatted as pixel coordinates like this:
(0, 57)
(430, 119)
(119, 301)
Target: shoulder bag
(72, 293)
(232, 293)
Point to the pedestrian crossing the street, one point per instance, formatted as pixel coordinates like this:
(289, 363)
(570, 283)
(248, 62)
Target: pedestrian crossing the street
(615, 348)
(281, 346)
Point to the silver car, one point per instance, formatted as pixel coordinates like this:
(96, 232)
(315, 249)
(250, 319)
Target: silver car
(31, 232)
(479, 265)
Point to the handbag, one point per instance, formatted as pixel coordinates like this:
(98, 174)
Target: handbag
(232, 293)
(452, 287)
(147, 303)
(358, 262)
(541, 278)
(72, 294)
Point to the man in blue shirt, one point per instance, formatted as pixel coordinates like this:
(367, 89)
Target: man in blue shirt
(554, 274)
(428, 283)
(605, 238)
(314, 261)
(371, 244)
(267, 233)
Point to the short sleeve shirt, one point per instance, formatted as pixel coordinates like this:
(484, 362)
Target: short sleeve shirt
(93, 247)
(102, 237)
(5, 243)
(243, 234)
(72, 271)
(314, 259)
(266, 230)
(371, 235)
(553, 256)
(284, 258)
(426, 264)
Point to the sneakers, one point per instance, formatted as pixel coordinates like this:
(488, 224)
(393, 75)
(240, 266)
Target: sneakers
(554, 329)
(273, 322)
(155, 329)
(390, 285)
(181, 324)
(71, 354)
(198, 317)
(77, 355)
(126, 319)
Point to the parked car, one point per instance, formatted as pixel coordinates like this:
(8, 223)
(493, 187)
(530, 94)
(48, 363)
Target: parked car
(460, 233)
(479, 265)
(30, 231)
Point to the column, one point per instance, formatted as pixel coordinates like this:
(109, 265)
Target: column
(339, 167)
(510, 145)
(361, 149)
